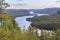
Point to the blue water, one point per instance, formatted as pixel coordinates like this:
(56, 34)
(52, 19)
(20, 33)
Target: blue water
(22, 21)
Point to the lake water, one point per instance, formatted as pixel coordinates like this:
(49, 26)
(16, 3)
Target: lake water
(22, 21)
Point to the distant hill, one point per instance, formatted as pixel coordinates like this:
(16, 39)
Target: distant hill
(25, 12)
(17, 12)
(46, 10)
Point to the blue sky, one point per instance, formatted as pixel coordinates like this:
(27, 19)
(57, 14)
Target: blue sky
(32, 3)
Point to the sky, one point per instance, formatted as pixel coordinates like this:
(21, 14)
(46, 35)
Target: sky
(34, 4)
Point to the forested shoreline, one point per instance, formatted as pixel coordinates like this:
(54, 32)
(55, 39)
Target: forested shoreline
(9, 29)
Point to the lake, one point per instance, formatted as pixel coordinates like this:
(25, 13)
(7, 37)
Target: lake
(22, 22)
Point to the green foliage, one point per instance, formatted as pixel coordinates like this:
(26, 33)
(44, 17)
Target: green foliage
(44, 22)
(27, 35)
(9, 29)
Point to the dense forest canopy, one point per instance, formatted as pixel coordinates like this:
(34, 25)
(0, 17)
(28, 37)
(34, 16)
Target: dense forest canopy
(47, 22)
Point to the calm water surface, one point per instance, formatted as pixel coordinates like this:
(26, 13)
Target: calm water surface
(22, 21)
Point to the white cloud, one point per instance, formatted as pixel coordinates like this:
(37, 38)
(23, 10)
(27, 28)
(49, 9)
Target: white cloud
(57, 0)
(42, 6)
(23, 5)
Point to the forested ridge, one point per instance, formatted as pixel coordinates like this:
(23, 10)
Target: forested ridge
(47, 22)
(9, 29)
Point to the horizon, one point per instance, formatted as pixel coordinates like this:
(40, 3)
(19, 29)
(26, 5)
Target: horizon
(33, 4)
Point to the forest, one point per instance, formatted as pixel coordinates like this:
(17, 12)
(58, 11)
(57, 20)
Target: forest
(9, 29)
(47, 22)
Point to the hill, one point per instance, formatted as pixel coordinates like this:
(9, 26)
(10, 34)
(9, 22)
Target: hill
(45, 11)
(26, 12)
(17, 12)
